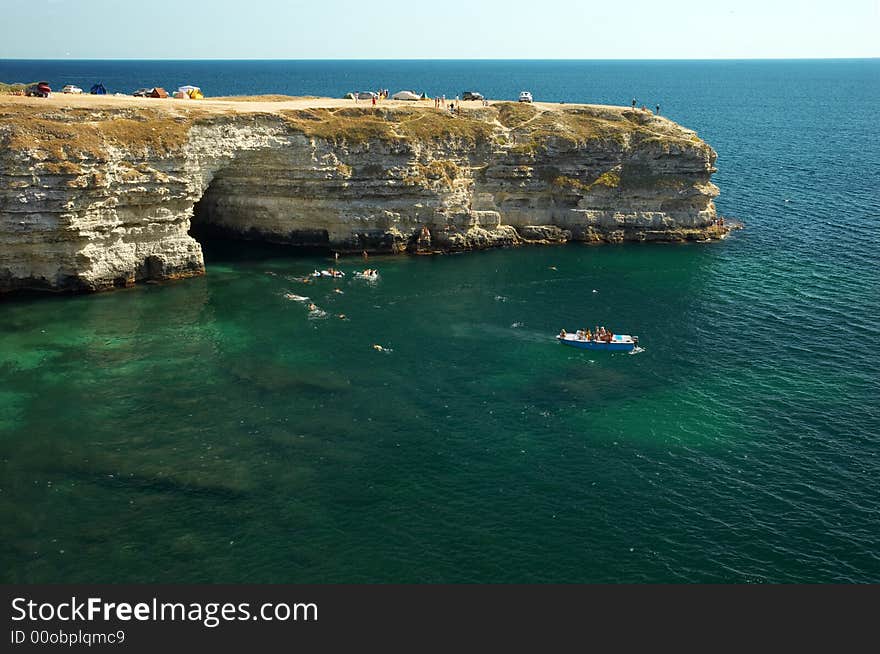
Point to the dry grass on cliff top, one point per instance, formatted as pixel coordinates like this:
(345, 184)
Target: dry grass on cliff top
(534, 130)
(56, 131)
(514, 114)
(74, 135)
(362, 124)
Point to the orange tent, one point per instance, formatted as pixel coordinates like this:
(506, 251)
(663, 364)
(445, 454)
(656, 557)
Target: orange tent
(159, 92)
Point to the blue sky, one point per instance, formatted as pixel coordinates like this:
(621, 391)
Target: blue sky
(438, 29)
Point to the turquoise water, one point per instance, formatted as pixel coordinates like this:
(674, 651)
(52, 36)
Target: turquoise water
(212, 430)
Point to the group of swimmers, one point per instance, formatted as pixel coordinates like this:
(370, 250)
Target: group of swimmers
(599, 334)
(370, 273)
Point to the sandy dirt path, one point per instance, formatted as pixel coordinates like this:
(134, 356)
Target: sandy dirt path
(250, 104)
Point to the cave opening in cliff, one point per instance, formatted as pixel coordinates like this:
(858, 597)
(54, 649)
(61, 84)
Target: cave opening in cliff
(224, 223)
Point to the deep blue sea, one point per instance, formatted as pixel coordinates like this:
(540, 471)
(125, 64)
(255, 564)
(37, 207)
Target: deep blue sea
(212, 430)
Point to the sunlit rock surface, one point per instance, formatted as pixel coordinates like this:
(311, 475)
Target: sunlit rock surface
(95, 198)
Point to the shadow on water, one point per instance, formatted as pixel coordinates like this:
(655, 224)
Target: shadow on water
(220, 251)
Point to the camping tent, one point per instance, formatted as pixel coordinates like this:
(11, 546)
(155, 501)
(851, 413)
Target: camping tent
(98, 89)
(158, 92)
(190, 91)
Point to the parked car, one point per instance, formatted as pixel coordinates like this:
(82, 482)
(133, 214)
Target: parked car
(471, 95)
(366, 95)
(525, 96)
(142, 93)
(39, 90)
(70, 88)
(406, 95)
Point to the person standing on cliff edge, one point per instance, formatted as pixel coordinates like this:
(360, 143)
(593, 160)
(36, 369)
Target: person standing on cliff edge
(634, 103)
(658, 109)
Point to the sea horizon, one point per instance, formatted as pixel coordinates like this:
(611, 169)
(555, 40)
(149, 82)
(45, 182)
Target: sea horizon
(423, 59)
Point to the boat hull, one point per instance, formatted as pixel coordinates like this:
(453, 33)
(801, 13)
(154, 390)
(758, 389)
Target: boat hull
(619, 344)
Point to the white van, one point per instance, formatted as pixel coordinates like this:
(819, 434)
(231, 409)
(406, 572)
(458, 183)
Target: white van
(525, 96)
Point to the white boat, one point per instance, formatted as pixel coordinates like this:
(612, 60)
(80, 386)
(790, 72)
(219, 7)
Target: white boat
(367, 275)
(328, 273)
(618, 342)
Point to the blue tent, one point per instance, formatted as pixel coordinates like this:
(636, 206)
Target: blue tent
(98, 89)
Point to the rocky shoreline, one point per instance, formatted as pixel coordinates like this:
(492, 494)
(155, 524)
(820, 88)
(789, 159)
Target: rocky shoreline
(103, 195)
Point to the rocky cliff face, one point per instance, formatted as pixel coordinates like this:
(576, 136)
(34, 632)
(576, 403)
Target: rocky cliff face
(96, 198)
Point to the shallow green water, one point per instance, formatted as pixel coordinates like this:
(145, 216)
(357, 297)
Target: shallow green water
(211, 430)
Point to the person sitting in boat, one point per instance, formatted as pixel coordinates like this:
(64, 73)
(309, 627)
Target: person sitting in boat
(589, 335)
(562, 334)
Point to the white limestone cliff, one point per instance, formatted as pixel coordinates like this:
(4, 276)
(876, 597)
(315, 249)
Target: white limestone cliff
(94, 199)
